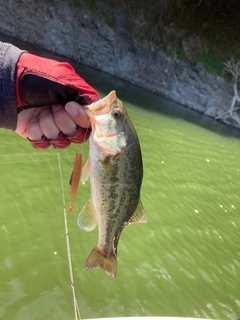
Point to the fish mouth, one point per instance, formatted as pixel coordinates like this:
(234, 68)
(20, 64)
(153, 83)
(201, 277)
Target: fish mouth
(101, 106)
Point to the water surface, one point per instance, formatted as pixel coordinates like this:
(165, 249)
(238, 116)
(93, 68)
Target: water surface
(185, 262)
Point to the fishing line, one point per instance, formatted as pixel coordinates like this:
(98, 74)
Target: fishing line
(85, 135)
(32, 160)
(25, 161)
(24, 154)
(75, 304)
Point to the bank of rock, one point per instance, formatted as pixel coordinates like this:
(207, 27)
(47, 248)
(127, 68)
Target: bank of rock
(85, 35)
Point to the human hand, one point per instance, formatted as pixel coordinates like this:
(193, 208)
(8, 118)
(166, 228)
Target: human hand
(58, 125)
(49, 85)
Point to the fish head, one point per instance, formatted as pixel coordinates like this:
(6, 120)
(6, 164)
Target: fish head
(105, 109)
(101, 106)
(109, 118)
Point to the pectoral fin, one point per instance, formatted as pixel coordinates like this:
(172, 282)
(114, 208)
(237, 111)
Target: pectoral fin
(139, 214)
(86, 219)
(85, 171)
(113, 144)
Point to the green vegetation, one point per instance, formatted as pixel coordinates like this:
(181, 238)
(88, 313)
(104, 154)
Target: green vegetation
(211, 62)
(180, 54)
(91, 4)
(215, 22)
(172, 25)
(110, 19)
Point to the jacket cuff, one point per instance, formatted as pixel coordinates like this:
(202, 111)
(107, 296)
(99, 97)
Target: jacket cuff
(9, 56)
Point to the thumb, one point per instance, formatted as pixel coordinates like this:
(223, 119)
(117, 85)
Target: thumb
(77, 114)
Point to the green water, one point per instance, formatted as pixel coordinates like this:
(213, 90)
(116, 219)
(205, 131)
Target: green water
(184, 262)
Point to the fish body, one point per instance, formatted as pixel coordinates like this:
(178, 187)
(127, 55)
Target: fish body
(116, 171)
(74, 181)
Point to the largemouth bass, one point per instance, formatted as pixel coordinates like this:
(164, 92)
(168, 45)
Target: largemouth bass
(116, 171)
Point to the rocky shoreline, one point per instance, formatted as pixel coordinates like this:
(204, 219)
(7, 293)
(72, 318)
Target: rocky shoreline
(79, 33)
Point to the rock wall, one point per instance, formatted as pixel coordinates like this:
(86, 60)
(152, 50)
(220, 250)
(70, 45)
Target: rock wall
(87, 36)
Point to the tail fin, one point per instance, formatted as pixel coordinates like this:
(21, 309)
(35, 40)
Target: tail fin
(100, 259)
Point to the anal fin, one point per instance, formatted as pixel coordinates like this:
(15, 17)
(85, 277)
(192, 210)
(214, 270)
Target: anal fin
(139, 214)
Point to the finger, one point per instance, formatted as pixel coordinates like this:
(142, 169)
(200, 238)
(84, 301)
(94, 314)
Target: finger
(61, 142)
(35, 135)
(24, 117)
(77, 114)
(50, 130)
(33, 129)
(80, 136)
(63, 121)
(43, 143)
(47, 124)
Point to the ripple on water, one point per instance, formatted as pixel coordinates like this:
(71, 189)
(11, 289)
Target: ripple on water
(184, 262)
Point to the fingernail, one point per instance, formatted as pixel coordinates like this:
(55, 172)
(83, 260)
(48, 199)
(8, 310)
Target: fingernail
(71, 109)
(56, 107)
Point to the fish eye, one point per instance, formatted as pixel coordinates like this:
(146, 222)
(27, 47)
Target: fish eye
(117, 113)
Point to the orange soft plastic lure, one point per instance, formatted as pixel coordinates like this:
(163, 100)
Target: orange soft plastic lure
(74, 181)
